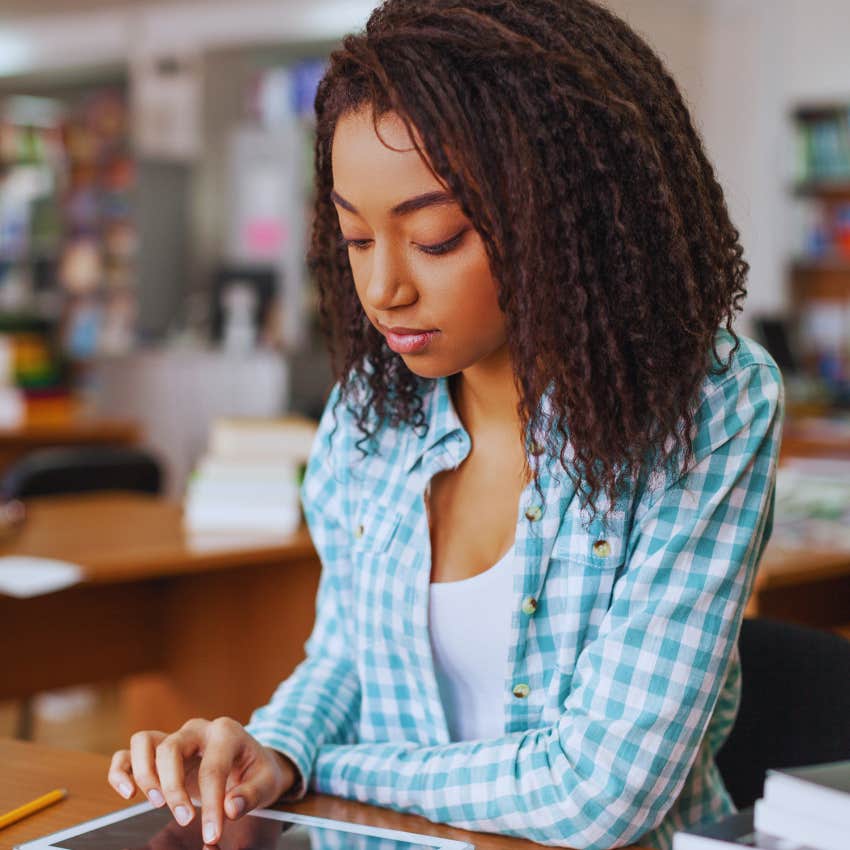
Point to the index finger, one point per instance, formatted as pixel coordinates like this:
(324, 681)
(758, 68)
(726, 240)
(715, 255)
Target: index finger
(223, 744)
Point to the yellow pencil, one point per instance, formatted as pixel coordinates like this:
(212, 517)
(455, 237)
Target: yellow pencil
(32, 807)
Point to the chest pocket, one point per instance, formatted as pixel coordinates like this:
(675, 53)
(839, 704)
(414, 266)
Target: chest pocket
(375, 554)
(584, 566)
(599, 546)
(375, 527)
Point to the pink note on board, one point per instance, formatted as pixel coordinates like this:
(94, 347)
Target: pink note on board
(264, 238)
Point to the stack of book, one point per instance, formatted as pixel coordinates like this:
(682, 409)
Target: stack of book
(248, 481)
(805, 808)
(808, 805)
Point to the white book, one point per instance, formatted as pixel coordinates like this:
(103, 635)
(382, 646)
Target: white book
(259, 469)
(805, 829)
(240, 492)
(276, 518)
(288, 437)
(732, 833)
(819, 791)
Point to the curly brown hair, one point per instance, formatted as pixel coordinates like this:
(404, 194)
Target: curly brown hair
(568, 145)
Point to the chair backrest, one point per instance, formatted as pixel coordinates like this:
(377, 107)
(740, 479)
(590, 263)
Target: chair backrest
(79, 469)
(795, 704)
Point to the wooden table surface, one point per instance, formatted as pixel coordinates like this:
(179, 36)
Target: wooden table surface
(185, 617)
(30, 770)
(119, 537)
(809, 586)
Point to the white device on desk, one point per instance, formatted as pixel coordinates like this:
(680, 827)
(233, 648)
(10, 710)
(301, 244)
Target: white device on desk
(144, 826)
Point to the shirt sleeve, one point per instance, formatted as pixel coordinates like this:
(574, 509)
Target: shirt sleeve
(320, 700)
(644, 689)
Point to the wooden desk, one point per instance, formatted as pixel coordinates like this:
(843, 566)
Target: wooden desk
(75, 431)
(215, 628)
(30, 770)
(808, 587)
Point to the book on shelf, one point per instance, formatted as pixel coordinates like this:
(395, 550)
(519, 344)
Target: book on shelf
(823, 147)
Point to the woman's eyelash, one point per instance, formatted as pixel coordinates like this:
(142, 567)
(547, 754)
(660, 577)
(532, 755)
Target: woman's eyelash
(443, 247)
(352, 243)
(435, 250)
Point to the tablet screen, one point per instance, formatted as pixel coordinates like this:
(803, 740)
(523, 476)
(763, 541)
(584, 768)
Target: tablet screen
(156, 829)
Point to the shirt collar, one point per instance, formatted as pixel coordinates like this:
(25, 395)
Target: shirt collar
(440, 417)
(443, 421)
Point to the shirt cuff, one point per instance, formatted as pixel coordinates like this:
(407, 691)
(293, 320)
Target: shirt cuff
(292, 744)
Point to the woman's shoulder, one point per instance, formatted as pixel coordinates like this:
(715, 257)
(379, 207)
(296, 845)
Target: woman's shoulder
(741, 376)
(742, 389)
(734, 357)
(737, 414)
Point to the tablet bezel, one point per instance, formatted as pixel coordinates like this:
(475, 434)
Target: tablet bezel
(48, 842)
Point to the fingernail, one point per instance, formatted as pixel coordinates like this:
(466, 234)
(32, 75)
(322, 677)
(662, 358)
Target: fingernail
(126, 789)
(183, 815)
(209, 833)
(237, 806)
(155, 797)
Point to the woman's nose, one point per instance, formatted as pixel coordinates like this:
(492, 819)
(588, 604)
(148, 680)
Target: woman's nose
(389, 283)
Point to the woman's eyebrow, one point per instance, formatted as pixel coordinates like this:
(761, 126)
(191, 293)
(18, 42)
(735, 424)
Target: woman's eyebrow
(417, 202)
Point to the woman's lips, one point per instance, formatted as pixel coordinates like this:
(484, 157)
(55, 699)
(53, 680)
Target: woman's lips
(407, 340)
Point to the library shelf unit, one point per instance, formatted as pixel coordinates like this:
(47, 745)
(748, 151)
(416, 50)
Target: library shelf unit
(819, 270)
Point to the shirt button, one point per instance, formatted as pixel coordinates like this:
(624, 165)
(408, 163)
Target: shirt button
(521, 690)
(533, 513)
(529, 605)
(602, 548)
(358, 532)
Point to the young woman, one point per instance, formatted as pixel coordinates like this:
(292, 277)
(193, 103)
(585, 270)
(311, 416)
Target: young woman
(544, 478)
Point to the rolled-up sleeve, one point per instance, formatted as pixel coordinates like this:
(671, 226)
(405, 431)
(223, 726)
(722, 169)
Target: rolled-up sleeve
(644, 689)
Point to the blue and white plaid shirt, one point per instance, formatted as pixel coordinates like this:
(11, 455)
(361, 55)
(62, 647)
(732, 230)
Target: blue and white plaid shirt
(623, 678)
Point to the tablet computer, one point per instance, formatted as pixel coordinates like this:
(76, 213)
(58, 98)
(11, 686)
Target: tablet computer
(144, 827)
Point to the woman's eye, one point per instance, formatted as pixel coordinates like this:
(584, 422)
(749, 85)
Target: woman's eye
(434, 250)
(359, 244)
(443, 247)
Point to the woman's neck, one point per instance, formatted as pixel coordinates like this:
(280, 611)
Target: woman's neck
(485, 395)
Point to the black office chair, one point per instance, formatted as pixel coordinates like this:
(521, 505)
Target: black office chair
(77, 469)
(81, 469)
(795, 705)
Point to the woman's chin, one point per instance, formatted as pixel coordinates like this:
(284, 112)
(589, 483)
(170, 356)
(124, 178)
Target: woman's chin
(427, 368)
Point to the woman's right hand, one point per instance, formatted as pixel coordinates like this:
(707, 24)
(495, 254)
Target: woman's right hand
(216, 761)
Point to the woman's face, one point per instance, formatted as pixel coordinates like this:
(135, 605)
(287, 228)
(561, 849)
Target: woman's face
(419, 266)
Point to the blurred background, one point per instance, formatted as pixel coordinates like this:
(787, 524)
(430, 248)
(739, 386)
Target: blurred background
(155, 193)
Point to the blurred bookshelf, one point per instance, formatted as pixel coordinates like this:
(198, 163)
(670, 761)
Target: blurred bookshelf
(165, 203)
(154, 224)
(819, 270)
(67, 235)
(67, 227)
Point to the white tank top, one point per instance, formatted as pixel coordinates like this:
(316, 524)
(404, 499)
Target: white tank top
(470, 626)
